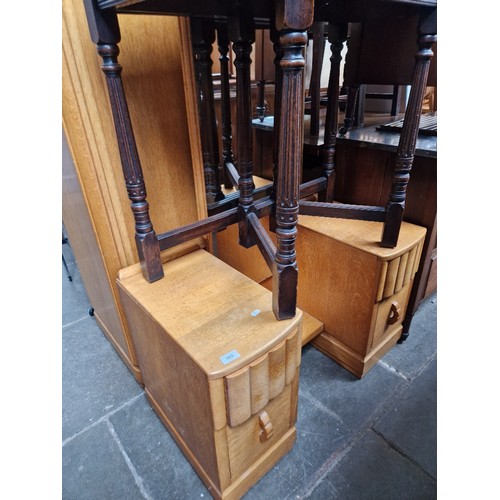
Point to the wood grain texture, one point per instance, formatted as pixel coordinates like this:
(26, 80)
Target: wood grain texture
(145, 238)
(251, 263)
(287, 185)
(337, 35)
(218, 402)
(242, 34)
(244, 442)
(408, 139)
(381, 311)
(294, 15)
(151, 68)
(277, 357)
(311, 326)
(363, 235)
(160, 123)
(249, 389)
(192, 117)
(354, 362)
(184, 327)
(262, 464)
(347, 278)
(202, 38)
(248, 261)
(91, 264)
(188, 411)
(364, 177)
(358, 280)
(208, 323)
(238, 396)
(226, 133)
(259, 389)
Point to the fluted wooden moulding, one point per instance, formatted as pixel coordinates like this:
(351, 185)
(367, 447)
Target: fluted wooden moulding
(220, 371)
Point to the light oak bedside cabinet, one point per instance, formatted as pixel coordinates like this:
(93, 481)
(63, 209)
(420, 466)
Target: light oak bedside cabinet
(357, 288)
(219, 370)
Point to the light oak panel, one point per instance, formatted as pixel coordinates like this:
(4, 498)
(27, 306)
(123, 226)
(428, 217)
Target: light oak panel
(352, 284)
(249, 389)
(202, 289)
(382, 312)
(91, 264)
(337, 285)
(163, 111)
(244, 443)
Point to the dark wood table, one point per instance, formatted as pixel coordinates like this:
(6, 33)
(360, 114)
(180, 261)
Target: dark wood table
(289, 21)
(365, 160)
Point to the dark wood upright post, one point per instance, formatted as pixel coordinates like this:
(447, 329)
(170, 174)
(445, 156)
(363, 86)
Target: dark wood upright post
(337, 34)
(278, 54)
(226, 126)
(105, 33)
(315, 83)
(260, 108)
(293, 18)
(350, 110)
(202, 37)
(407, 142)
(242, 34)
(395, 101)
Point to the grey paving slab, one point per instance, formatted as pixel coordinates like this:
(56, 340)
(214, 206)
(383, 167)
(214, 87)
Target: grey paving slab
(75, 301)
(410, 423)
(93, 468)
(120, 449)
(373, 470)
(95, 381)
(421, 344)
(162, 467)
(355, 401)
(324, 490)
(319, 435)
(164, 471)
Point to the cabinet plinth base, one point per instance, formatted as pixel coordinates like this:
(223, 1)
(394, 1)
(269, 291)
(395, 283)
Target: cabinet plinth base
(351, 360)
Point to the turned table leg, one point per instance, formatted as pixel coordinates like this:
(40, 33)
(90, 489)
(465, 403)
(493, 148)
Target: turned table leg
(336, 36)
(408, 140)
(203, 35)
(105, 33)
(242, 34)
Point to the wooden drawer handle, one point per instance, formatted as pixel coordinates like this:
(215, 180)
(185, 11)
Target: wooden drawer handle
(394, 313)
(266, 426)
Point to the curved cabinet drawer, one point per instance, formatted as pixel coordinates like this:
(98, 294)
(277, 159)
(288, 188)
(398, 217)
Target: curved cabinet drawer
(250, 389)
(390, 314)
(261, 401)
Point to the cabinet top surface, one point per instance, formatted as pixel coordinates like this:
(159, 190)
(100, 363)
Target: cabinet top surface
(221, 318)
(364, 235)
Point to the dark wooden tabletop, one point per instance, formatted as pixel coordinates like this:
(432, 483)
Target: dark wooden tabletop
(388, 141)
(337, 10)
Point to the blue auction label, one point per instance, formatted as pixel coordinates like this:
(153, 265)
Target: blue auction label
(230, 356)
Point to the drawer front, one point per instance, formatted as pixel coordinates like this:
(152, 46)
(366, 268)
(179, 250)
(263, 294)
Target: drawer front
(390, 314)
(250, 440)
(397, 273)
(261, 402)
(250, 389)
